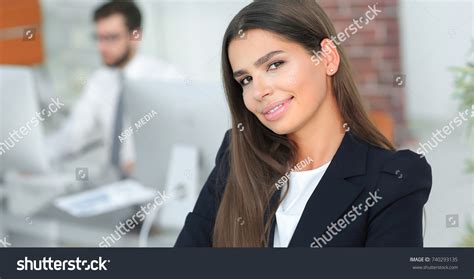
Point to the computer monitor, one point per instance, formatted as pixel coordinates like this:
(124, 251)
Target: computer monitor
(194, 114)
(21, 137)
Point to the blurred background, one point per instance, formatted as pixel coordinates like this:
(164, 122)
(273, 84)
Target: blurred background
(61, 182)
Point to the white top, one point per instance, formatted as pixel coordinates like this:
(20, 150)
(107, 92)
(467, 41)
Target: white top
(302, 186)
(93, 115)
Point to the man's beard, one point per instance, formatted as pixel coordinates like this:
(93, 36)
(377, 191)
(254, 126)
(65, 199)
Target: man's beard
(122, 60)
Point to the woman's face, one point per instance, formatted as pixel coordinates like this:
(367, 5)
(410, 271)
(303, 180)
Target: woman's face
(282, 86)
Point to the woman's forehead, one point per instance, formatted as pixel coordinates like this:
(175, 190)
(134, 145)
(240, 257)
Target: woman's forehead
(254, 44)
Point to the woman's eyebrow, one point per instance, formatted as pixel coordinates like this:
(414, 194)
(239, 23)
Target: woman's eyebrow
(260, 61)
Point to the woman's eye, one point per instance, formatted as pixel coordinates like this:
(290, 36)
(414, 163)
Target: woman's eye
(245, 81)
(275, 65)
(272, 66)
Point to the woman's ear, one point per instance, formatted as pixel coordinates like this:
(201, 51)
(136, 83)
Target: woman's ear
(331, 56)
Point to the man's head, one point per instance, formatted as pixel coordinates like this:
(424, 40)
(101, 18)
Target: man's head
(118, 31)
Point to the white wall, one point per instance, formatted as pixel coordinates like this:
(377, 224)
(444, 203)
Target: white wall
(435, 36)
(188, 33)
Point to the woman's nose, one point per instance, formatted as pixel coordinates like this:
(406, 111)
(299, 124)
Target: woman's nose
(262, 88)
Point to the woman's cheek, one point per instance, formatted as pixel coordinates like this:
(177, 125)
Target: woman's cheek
(249, 104)
(292, 75)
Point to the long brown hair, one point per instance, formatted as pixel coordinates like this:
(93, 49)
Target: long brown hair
(258, 156)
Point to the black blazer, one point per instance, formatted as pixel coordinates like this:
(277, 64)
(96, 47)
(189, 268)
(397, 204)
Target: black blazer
(358, 170)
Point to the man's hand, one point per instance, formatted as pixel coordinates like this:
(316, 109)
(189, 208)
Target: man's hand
(128, 167)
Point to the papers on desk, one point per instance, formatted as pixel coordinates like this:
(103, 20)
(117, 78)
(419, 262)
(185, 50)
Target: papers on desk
(105, 199)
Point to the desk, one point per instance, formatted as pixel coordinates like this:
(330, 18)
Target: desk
(59, 229)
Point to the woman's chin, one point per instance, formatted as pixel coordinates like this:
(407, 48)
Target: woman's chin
(280, 129)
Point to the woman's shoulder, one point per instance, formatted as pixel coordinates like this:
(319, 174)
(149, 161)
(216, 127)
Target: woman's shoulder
(399, 172)
(222, 157)
(222, 163)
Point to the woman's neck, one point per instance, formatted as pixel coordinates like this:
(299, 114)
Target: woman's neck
(321, 136)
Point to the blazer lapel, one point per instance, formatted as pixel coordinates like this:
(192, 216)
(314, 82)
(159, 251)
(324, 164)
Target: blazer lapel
(333, 195)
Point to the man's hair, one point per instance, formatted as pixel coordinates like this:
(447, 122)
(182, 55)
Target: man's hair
(130, 11)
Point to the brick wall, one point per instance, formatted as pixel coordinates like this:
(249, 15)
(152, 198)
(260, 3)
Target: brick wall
(374, 52)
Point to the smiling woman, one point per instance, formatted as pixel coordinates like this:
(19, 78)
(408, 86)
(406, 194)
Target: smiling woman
(293, 109)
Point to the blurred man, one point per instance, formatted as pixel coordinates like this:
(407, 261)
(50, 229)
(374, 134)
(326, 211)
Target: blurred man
(99, 111)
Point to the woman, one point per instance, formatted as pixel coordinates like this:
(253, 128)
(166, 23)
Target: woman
(306, 167)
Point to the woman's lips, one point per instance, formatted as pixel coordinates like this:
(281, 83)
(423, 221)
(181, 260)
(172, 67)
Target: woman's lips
(277, 111)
